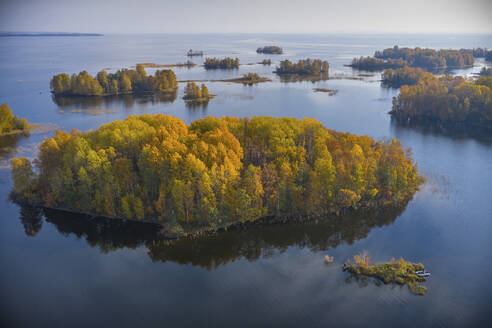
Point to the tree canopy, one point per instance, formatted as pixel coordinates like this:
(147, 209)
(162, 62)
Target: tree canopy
(446, 99)
(403, 76)
(215, 172)
(125, 81)
(10, 123)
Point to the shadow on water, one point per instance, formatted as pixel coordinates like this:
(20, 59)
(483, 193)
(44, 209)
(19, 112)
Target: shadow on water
(433, 128)
(108, 101)
(212, 250)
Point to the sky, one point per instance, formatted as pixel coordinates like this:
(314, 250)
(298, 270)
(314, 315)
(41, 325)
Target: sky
(247, 16)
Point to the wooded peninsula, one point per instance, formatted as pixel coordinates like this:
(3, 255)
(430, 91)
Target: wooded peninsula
(446, 99)
(215, 172)
(125, 81)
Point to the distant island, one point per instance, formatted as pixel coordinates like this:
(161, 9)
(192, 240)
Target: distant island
(12, 34)
(125, 81)
(10, 124)
(214, 173)
(274, 50)
(196, 94)
(303, 67)
(225, 63)
(188, 64)
(192, 53)
(403, 76)
(429, 59)
(448, 99)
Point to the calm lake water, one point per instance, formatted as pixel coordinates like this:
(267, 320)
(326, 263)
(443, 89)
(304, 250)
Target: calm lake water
(60, 271)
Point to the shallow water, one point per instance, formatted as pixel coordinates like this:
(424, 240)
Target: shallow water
(58, 271)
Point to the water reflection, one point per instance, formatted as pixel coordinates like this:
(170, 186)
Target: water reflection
(32, 220)
(435, 128)
(107, 102)
(287, 78)
(8, 144)
(210, 251)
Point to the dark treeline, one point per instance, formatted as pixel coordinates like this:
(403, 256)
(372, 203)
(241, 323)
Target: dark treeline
(486, 71)
(125, 81)
(476, 52)
(10, 123)
(303, 67)
(429, 59)
(215, 172)
(225, 63)
(488, 56)
(403, 76)
(446, 99)
(274, 50)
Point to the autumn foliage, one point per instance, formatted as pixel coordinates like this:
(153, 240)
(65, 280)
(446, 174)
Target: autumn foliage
(215, 172)
(446, 99)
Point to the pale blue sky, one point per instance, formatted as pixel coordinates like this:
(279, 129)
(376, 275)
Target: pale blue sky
(248, 16)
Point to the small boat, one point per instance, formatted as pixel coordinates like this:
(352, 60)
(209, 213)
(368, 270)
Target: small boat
(422, 273)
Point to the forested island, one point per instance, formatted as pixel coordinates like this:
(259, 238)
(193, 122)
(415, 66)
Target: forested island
(303, 67)
(403, 76)
(429, 59)
(11, 124)
(125, 81)
(225, 63)
(446, 99)
(215, 172)
(196, 94)
(274, 50)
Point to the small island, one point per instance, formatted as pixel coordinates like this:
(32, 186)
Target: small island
(250, 79)
(187, 64)
(266, 62)
(448, 99)
(330, 92)
(308, 66)
(123, 82)
(429, 59)
(195, 94)
(403, 76)
(225, 63)
(273, 50)
(192, 53)
(215, 172)
(10, 124)
(400, 272)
